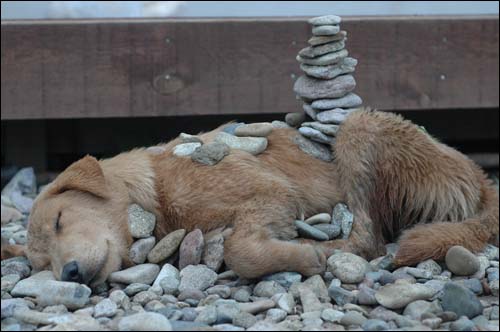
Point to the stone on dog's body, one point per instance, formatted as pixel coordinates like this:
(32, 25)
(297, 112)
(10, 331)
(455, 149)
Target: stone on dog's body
(259, 196)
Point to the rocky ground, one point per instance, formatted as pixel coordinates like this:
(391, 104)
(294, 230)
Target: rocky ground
(181, 283)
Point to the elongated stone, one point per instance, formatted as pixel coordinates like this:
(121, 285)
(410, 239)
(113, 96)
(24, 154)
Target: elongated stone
(315, 135)
(325, 60)
(320, 40)
(345, 66)
(313, 52)
(335, 116)
(347, 101)
(253, 145)
(325, 30)
(313, 149)
(310, 232)
(326, 129)
(310, 111)
(312, 88)
(322, 218)
(167, 246)
(325, 20)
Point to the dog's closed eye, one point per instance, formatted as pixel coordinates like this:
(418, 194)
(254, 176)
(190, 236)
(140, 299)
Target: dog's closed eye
(58, 225)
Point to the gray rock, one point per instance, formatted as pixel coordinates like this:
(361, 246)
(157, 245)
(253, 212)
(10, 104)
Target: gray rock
(140, 249)
(197, 277)
(226, 312)
(147, 321)
(257, 306)
(144, 297)
(331, 315)
(325, 60)
(484, 263)
(221, 290)
(320, 40)
(295, 119)
(315, 135)
(135, 288)
(461, 261)
(460, 300)
(9, 281)
(312, 113)
(348, 267)
(343, 66)
(211, 153)
(310, 232)
(366, 295)
(340, 295)
(15, 267)
(491, 252)
(21, 202)
(207, 315)
(285, 279)
(312, 88)
(492, 273)
(396, 296)
(105, 308)
(285, 302)
(472, 284)
(353, 318)
(494, 313)
(168, 279)
(313, 52)
(494, 287)
(325, 30)
(325, 20)
(313, 149)
(463, 324)
(326, 129)
(280, 124)
(213, 255)
(230, 128)
(349, 100)
(144, 273)
(56, 309)
(51, 292)
(120, 298)
(275, 315)
(9, 305)
(317, 285)
(170, 285)
(262, 129)
(244, 319)
(167, 246)
(252, 145)
(416, 309)
(431, 266)
(24, 183)
(375, 325)
(268, 289)
(185, 149)
(329, 229)
(322, 218)
(141, 223)
(20, 237)
(191, 249)
(186, 138)
(343, 217)
(335, 116)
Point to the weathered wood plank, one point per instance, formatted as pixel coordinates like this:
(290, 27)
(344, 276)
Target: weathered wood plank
(132, 68)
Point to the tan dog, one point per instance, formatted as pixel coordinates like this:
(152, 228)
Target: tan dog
(391, 174)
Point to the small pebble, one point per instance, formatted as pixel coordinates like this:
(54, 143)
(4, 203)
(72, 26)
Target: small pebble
(461, 261)
(211, 153)
(325, 30)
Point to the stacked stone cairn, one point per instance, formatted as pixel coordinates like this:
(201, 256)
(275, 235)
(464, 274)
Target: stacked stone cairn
(327, 86)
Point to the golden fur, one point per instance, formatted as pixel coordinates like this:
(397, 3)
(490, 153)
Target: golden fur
(391, 174)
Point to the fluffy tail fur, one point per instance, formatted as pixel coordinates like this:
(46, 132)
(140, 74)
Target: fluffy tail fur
(432, 241)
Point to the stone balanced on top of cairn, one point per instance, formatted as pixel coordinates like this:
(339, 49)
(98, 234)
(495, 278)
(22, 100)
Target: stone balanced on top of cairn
(326, 88)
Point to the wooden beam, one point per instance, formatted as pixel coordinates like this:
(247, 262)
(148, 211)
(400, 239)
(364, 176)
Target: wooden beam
(170, 67)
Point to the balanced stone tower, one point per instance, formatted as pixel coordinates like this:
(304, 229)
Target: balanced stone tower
(327, 87)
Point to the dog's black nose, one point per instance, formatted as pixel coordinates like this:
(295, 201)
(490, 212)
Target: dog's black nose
(70, 272)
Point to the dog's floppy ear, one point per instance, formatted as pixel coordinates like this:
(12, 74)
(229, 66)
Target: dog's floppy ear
(84, 175)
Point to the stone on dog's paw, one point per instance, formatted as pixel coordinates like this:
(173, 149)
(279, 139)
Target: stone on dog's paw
(191, 249)
(343, 217)
(461, 261)
(230, 128)
(348, 267)
(322, 218)
(310, 232)
(141, 222)
(329, 229)
(252, 145)
(295, 119)
(280, 125)
(157, 149)
(262, 129)
(147, 321)
(140, 249)
(187, 138)
(167, 246)
(185, 149)
(210, 153)
(144, 273)
(197, 277)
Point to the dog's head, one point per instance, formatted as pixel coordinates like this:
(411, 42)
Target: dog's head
(78, 226)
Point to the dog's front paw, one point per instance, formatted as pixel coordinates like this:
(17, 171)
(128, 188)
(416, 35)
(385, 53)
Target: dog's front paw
(313, 263)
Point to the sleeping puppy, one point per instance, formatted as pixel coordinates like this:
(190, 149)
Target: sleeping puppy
(398, 181)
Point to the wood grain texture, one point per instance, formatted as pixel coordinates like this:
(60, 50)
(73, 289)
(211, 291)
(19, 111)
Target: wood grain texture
(136, 68)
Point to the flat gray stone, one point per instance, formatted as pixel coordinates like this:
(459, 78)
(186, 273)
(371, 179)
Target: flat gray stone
(230, 128)
(144, 273)
(321, 218)
(396, 296)
(262, 129)
(285, 279)
(312, 88)
(252, 145)
(308, 231)
(314, 149)
(335, 116)
(187, 138)
(141, 222)
(140, 249)
(185, 149)
(327, 129)
(343, 217)
(318, 286)
(325, 20)
(347, 101)
(340, 295)
(320, 40)
(344, 66)
(329, 229)
(325, 30)
(167, 246)
(315, 135)
(313, 52)
(324, 60)
(211, 153)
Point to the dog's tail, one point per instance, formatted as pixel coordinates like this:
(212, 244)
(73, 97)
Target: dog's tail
(432, 241)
